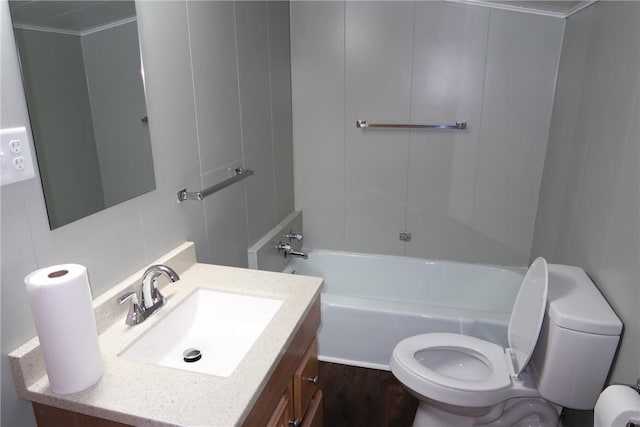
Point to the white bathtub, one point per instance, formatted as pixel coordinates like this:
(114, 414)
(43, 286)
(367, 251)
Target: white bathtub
(371, 302)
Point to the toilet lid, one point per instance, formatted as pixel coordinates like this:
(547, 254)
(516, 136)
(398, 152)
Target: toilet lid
(528, 313)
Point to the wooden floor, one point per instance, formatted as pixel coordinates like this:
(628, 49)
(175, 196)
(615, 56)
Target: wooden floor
(360, 397)
(574, 418)
(356, 397)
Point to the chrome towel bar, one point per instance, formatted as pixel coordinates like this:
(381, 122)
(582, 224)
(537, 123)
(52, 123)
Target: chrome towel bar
(199, 195)
(362, 124)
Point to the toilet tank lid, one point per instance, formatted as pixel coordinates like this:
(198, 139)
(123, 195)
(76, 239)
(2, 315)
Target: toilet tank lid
(574, 302)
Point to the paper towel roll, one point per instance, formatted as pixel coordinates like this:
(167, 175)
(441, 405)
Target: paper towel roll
(63, 314)
(616, 406)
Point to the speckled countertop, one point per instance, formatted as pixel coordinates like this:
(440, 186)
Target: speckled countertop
(149, 395)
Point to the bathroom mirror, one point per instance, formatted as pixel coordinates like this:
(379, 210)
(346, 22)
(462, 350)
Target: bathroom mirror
(84, 85)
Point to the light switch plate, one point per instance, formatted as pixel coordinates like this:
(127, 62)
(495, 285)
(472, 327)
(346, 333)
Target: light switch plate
(16, 162)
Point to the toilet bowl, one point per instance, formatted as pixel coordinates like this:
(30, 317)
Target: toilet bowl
(465, 381)
(473, 383)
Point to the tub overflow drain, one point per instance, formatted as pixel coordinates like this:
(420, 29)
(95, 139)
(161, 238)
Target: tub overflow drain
(191, 355)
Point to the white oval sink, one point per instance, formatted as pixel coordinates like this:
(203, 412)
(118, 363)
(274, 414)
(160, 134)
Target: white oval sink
(222, 326)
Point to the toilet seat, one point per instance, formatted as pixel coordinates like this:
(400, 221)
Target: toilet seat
(457, 382)
(466, 371)
(495, 375)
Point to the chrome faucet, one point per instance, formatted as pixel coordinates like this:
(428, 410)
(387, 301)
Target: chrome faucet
(150, 297)
(286, 250)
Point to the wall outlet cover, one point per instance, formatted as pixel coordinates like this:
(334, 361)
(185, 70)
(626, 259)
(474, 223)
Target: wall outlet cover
(16, 162)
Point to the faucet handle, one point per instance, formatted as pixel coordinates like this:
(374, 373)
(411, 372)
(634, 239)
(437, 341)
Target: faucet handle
(284, 248)
(129, 296)
(293, 236)
(135, 314)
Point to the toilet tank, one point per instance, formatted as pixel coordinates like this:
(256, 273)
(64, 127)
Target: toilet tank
(578, 340)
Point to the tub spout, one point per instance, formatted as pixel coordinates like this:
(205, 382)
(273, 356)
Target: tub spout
(286, 250)
(299, 254)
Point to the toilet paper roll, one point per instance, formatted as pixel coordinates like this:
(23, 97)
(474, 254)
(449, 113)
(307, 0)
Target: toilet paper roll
(617, 406)
(62, 310)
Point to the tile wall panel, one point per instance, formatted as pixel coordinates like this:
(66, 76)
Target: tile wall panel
(255, 106)
(164, 35)
(522, 62)
(468, 196)
(589, 214)
(565, 133)
(212, 43)
(378, 69)
(442, 164)
(280, 81)
(318, 85)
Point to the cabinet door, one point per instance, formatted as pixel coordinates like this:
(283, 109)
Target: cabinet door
(283, 412)
(314, 413)
(305, 380)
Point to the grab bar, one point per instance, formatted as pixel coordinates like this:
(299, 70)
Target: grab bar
(199, 195)
(362, 124)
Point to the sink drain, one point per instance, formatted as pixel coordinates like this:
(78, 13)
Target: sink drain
(191, 355)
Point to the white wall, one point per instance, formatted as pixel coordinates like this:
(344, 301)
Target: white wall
(589, 213)
(468, 196)
(189, 51)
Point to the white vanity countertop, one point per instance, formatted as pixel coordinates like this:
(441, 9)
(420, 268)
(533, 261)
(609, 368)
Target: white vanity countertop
(149, 395)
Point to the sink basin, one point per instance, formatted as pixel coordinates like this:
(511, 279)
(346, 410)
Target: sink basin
(218, 326)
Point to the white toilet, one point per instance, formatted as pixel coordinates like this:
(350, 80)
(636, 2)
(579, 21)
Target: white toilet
(562, 338)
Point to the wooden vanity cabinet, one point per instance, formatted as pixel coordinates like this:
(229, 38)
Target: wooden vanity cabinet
(291, 396)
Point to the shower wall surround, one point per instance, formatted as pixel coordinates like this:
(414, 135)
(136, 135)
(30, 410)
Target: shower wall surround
(463, 195)
(218, 92)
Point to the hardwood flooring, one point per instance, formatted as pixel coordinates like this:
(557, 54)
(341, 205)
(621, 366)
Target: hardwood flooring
(575, 418)
(360, 397)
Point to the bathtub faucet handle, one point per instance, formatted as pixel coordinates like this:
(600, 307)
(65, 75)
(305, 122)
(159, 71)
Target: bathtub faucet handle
(293, 236)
